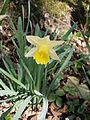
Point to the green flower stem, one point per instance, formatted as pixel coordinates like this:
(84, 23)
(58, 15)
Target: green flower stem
(44, 81)
(39, 78)
(38, 85)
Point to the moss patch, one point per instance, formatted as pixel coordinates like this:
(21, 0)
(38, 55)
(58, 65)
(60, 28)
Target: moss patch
(52, 6)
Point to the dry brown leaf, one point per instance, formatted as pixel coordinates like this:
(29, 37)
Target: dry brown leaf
(81, 89)
(57, 112)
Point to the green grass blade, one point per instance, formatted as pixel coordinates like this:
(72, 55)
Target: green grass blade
(20, 72)
(16, 33)
(44, 109)
(66, 62)
(23, 17)
(7, 67)
(22, 60)
(38, 93)
(47, 30)
(8, 63)
(22, 107)
(5, 113)
(88, 80)
(64, 37)
(54, 34)
(38, 31)
(12, 78)
(31, 27)
(60, 70)
(62, 55)
(4, 7)
(87, 16)
(13, 97)
(20, 35)
(8, 92)
(28, 17)
(88, 46)
(3, 85)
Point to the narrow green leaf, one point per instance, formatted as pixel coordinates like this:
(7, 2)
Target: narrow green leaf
(38, 93)
(38, 31)
(86, 40)
(7, 66)
(28, 17)
(87, 18)
(12, 78)
(8, 92)
(22, 107)
(31, 26)
(20, 72)
(13, 97)
(54, 34)
(5, 113)
(23, 16)
(8, 63)
(3, 85)
(64, 37)
(65, 63)
(44, 109)
(20, 35)
(62, 55)
(8, 117)
(88, 80)
(47, 30)
(60, 70)
(4, 7)
(14, 28)
(22, 60)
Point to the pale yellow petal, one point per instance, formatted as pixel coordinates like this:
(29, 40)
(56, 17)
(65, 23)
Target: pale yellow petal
(53, 55)
(52, 44)
(44, 41)
(33, 40)
(31, 52)
(46, 38)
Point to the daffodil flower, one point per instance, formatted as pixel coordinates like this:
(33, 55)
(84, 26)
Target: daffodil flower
(43, 50)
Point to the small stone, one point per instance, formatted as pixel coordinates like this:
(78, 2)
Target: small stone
(78, 118)
(46, 15)
(72, 117)
(79, 42)
(83, 44)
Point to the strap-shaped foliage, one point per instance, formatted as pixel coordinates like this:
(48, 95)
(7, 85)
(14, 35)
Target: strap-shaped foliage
(44, 109)
(5, 113)
(22, 107)
(60, 70)
(4, 7)
(11, 77)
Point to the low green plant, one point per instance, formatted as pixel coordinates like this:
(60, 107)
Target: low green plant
(72, 104)
(27, 82)
(56, 97)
